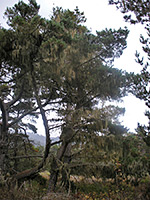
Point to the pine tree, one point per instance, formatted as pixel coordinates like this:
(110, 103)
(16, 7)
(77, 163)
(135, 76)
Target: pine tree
(55, 65)
(138, 12)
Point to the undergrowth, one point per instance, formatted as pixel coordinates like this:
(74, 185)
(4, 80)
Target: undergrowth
(123, 190)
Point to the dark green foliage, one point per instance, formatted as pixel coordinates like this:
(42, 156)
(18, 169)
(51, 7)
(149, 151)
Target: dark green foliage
(113, 42)
(32, 127)
(140, 87)
(138, 7)
(135, 162)
(117, 129)
(22, 12)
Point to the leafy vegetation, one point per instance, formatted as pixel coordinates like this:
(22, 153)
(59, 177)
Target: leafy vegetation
(58, 65)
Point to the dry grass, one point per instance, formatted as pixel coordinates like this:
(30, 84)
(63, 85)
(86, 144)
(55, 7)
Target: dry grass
(58, 196)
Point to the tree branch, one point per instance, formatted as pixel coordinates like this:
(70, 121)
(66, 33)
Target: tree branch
(44, 118)
(22, 116)
(91, 59)
(27, 113)
(57, 142)
(31, 172)
(56, 126)
(27, 156)
(17, 97)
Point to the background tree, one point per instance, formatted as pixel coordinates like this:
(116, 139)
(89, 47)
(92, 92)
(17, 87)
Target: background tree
(138, 12)
(134, 11)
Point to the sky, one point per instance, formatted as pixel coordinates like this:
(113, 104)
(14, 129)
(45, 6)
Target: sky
(99, 16)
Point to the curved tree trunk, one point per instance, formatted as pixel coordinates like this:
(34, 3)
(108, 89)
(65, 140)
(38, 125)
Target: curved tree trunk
(32, 172)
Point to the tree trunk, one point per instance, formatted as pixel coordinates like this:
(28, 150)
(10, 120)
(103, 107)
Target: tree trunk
(64, 152)
(65, 172)
(3, 152)
(3, 137)
(53, 176)
(63, 155)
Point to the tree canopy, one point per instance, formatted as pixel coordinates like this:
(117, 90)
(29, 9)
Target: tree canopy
(58, 65)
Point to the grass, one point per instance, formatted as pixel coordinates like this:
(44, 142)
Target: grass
(123, 190)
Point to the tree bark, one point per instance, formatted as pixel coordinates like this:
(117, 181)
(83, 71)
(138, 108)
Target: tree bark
(63, 155)
(3, 137)
(65, 172)
(53, 176)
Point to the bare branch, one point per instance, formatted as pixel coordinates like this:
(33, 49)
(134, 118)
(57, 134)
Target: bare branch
(27, 156)
(17, 97)
(22, 116)
(57, 142)
(56, 126)
(27, 113)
